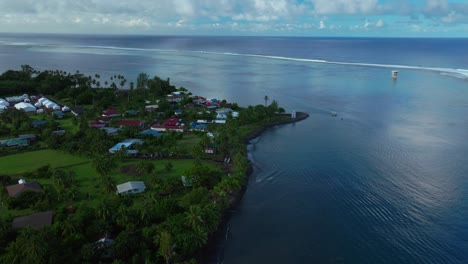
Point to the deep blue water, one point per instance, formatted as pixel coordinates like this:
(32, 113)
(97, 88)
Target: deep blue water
(386, 181)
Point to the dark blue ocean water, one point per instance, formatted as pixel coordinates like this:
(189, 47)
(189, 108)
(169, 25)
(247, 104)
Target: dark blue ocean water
(386, 181)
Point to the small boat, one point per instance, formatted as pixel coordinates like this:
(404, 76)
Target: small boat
(333, 113)
(394, 75)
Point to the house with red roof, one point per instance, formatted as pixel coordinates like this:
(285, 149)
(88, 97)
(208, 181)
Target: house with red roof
(130, 123)
(17, 189)
(97, 124)
(111, 113)
(171, 124)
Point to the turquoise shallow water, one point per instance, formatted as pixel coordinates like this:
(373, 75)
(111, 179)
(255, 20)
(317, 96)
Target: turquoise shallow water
(383, 182)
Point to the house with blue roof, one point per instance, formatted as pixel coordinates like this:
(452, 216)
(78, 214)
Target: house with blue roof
(150, 132)
(128, 145)
(197, 126)
(38, 123)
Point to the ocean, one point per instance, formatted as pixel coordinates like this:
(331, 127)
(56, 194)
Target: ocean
(385, 181)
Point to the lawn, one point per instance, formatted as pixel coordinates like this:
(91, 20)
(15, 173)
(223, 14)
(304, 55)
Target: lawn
(30, 161)
(92, 193)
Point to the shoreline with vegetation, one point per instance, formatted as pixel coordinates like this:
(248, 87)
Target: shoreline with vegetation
(147, 173)
(212, 245)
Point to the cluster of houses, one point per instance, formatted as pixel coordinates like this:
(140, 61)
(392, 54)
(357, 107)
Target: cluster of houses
(157, 129)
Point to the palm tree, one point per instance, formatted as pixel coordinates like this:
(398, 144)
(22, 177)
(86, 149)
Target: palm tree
(266, 100)
(103, 211)
(166, 246)
(104, 164)
(193, 217)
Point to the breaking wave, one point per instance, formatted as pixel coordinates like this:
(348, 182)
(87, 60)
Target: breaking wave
(452, 72)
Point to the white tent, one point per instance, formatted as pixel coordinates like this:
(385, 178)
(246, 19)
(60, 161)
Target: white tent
(49, 105)
(42, 99)
(25, 107)
(65, 109)
(56, 107)
(37, 104)
(4, 102)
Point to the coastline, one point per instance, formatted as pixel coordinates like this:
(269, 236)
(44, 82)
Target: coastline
(214, 241)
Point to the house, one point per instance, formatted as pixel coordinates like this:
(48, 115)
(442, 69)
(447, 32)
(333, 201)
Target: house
(38, 123)
(211, 148)
(17, 99)
(110, 113)
(131, 187)
(59, 132)
(132, 112)
(97, 124)
(77, 111)
(150, 132)
(104, 245)
(14, 142)
(151, 107)
(128, 144)
(171, 124)
(29, 137)
(36, 221)
(175, 97)
(198, 127)
(198, 100)
(223, 113)
(130, 123)
(17, 189)
(58, 114)
(110, 131)
(4, 102)
(26, 107)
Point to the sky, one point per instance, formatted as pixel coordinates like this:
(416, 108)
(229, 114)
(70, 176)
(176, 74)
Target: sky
(372, 18)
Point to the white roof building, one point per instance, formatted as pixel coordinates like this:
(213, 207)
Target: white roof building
(4, 102)
(131, 187)
(42, 99)
(27, 107)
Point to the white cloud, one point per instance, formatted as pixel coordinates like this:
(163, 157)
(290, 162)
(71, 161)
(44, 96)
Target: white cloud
(345, 6)
(165, 16)
(367, 24)
(322, 25)
(380, 23)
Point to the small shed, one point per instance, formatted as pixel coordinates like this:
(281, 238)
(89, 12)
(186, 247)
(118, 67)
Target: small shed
(131, 187)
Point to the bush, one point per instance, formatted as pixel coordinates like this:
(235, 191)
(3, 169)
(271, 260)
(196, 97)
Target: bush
(25, 200)
(5, 180)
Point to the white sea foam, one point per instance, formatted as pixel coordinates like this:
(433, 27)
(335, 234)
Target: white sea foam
(457, 73)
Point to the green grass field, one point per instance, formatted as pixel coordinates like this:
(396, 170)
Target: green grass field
(90, 191)
(30, 161)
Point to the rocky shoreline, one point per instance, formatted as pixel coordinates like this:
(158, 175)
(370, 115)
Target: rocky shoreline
(207, 254)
